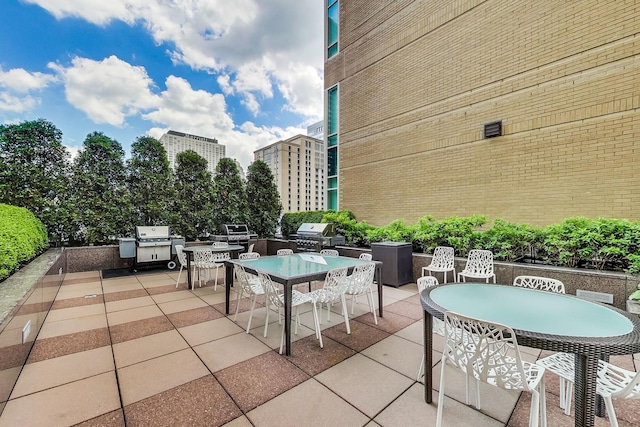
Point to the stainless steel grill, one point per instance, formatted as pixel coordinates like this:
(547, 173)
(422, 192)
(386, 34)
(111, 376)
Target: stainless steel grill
(152, 244)
(317, 236)
(237, 234)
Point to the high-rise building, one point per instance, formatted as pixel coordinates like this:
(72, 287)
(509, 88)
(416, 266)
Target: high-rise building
(520, 110)
(298, 165)
(316, 130)
(177, 142)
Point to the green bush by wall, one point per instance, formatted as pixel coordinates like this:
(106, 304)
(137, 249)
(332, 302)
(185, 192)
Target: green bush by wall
(595, 243)
(22, 237)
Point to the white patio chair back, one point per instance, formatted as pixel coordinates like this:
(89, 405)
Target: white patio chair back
(361, 282)
(276, 298)
(284, 252)
(220, 244)
(182, 259)
(249, 255)
(329, 252)
(540, 283)
(479, 266)
(366, 256)
(613, 382)
(443, 261)
(331, 292)
(249, 284)
(202, 260)
(493, 358)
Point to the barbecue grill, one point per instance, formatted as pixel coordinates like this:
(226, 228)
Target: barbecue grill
(314, 237)
(237, 234)
(152, 244)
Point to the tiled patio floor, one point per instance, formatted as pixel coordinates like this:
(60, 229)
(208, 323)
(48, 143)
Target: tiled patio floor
(142, 352)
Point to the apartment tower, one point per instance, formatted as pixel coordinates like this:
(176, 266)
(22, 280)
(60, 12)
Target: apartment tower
(298, 165)
(177, 142)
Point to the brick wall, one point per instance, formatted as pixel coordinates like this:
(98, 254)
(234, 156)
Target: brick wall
(419, 79)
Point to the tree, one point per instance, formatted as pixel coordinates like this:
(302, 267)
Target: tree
(263, 199)
(231, 197)
(150, 182)
(193, 207)
(34, 173)
(99, 190)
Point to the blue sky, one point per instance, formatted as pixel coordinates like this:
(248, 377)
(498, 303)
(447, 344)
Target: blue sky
(247, 72)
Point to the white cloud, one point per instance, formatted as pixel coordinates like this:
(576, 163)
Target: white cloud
(16, 104)
(108, 91)
(22, 81)
(256, 44)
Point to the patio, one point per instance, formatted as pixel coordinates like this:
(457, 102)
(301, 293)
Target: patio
(142, 352)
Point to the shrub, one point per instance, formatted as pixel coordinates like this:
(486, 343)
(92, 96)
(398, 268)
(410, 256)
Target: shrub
(509, 241)
(458, 232)
(355, 233)
(22, 237)
(396, 231)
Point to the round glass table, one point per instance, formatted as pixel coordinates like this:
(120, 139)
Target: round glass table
(544, 320)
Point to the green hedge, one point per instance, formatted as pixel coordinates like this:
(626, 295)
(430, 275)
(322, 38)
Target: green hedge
(22, 237)
(595, 243)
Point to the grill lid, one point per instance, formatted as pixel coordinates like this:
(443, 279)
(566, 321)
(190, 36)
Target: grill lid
(152, 232)
(234, 229)
(316, 229)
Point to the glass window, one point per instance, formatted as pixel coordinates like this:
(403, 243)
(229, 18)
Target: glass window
(332, 110)
(332, 27)
(333, 182)
(332, 202)
(332, 140)
(332, 161)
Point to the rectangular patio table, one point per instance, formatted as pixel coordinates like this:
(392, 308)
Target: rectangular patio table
(544, 320)
(290, 270)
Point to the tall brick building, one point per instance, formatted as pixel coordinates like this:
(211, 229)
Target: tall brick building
(410, 86)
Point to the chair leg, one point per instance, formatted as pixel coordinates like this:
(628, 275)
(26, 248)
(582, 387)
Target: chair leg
(179, 274)
(420, 369)
(535, 408)
(441, 394)
(611, 412)
(317, 324)
(346, 314)
(238, 303)
(266, 322)
(253, 304)
(372, 305)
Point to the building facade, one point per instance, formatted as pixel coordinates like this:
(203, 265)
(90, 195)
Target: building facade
(177, 142)
(298, 165)
(411, 85)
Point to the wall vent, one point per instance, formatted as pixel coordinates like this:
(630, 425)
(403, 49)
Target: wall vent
(493, 129)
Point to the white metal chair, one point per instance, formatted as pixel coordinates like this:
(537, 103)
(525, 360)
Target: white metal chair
(249, 284)
(329, 252)
(250, 249)
(202, 261)
(360, 282)
(549, 285)
(219, 244)
(442, 262)
(217, 261)
(182, 258)
(493, 358)
(612, 382)
(366, 257)
(284, 252)
(276, 298)
(425, 282)
(332, 291)
(249, 255)
(540, 283)
(479, 266)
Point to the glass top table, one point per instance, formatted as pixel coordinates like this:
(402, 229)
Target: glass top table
(543, 320)
(290, 270)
